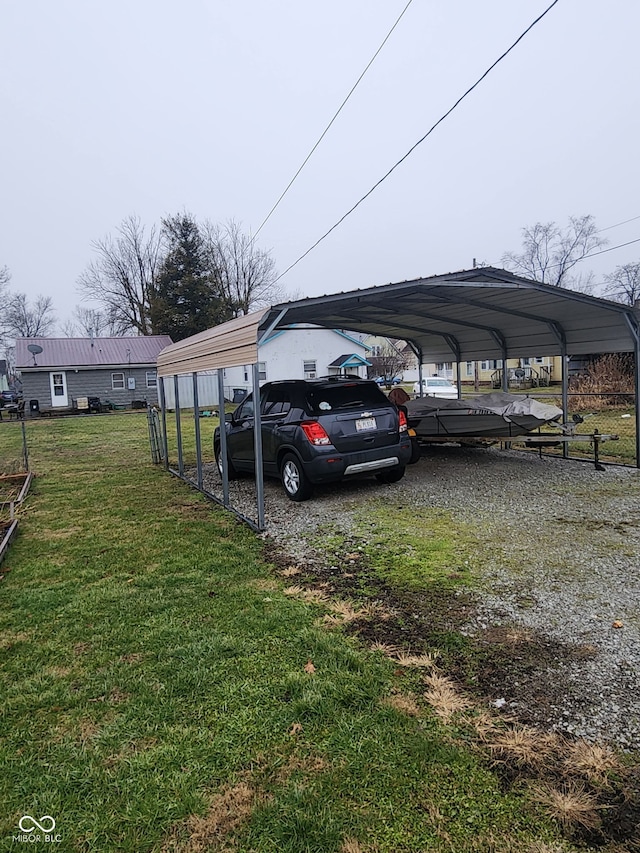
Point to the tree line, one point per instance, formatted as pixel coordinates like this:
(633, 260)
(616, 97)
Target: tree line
(177, 279)
(186, 276)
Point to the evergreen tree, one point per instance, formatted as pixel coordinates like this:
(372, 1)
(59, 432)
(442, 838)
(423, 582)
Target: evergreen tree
(185, 299)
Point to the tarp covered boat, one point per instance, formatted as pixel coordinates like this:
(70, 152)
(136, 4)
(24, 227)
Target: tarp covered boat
(496, 415)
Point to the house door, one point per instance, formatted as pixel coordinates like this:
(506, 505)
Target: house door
(58, 389)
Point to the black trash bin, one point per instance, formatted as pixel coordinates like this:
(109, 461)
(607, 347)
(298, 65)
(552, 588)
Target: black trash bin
(34, 405)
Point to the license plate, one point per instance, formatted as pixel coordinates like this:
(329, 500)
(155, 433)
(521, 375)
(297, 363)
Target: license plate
(365, 423)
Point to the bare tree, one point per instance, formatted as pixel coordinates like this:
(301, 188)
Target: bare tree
(244, 274)
(68, 329)
(86, 322)
(24, 320)
(388, 362)
(549, 252)
(623, 284)
(5, 278)
(121, 277)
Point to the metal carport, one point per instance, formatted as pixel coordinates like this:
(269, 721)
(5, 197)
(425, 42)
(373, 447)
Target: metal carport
(471, 315)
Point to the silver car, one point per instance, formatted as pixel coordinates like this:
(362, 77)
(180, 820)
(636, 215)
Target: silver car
(436, 386)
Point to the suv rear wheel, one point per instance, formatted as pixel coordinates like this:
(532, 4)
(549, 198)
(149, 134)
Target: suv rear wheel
(295, 482)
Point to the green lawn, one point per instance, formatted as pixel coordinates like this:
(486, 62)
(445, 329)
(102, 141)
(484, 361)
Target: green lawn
(161, 692)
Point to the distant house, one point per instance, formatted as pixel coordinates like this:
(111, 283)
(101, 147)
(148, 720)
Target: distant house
(301, 352)
(58, 371)
(526, 372)
(304, 352)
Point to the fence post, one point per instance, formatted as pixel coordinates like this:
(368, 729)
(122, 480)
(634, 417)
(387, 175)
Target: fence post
(25, 451)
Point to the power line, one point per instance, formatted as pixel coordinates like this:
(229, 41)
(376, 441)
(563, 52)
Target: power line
(599, 231)
(600, 252)
(421, 140)
(611, 248)
(326, 130)
(618, 224)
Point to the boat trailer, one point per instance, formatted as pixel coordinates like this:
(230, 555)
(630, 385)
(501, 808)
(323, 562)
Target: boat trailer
(538, 440)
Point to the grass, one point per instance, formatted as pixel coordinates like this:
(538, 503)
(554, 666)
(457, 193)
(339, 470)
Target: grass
(163, 692)
(412, 553)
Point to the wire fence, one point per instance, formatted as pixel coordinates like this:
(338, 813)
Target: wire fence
(608, 418)
(14, 478)
(14, 455)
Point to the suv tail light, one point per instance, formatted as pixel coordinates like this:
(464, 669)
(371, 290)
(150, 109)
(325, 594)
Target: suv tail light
(315, 432)
(402, 420)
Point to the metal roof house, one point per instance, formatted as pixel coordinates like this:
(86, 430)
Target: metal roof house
(56, 371)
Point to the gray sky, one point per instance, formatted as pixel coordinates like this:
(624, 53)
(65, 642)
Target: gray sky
(149, 107)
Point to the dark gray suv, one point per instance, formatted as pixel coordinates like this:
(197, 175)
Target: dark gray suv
(318, 431)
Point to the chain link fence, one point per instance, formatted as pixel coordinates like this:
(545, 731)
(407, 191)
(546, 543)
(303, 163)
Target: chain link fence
(14, 478)
(14, 456)
(609, 417)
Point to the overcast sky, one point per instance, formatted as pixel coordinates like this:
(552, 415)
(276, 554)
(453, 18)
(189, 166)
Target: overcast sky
(112, 108)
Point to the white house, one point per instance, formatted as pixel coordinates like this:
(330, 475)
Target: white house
(303, 352)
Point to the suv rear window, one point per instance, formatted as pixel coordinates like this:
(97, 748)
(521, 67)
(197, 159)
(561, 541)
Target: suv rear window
(348, 395)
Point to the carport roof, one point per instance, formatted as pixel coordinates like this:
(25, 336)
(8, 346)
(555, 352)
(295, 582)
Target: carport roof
(483, 313)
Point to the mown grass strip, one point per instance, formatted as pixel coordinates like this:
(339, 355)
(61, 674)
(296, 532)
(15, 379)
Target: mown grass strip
(162, 693)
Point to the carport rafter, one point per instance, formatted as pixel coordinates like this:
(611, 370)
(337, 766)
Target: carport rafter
(364, 318)
(556, 328)
(450, 339)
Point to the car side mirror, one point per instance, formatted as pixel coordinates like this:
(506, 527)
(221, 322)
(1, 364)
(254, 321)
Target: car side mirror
(228, 416)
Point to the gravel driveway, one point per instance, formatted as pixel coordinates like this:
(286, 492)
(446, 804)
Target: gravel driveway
(558, 547)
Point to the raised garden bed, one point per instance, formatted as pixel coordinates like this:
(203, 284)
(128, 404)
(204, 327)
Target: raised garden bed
(7, 532)
(13, 490)
(14, 487)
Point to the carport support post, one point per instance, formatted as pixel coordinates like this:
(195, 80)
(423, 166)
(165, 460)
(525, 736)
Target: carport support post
(163, 412)
(178, 429)
(223, 439)
(637, 389)
(565, 396)
(196, 415)
(634, 327)
(257, 440)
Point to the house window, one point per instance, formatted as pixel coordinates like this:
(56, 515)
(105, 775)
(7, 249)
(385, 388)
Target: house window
(539, 360)
(262, 370)
(117, 381)
(309, 368)
(526, 362)
(152, 379)
(470, 370)
(492, 364)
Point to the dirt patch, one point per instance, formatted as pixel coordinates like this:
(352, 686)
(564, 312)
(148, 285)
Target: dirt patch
(228, 811)
(498, 661)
